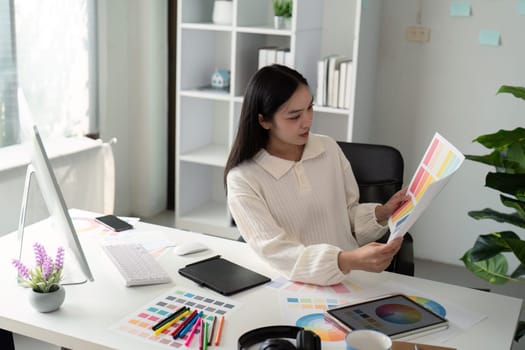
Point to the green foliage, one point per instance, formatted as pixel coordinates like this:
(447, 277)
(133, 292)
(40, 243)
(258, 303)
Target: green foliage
(282, 8)
(486, 258)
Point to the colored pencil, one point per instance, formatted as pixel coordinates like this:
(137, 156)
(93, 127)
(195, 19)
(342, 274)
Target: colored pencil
(219, 331)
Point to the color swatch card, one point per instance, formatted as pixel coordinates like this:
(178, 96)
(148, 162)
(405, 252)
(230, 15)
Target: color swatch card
(440, 162)
(307, 311)
(139, 324)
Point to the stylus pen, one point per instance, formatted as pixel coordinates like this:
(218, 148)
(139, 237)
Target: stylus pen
(169, 318)
(210, 338)
(177, 330)
(219, 331)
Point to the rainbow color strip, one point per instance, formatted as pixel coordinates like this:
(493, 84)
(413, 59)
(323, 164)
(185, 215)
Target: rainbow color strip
(440, 160)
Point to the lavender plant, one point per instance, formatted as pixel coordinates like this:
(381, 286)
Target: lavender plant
(45, 277)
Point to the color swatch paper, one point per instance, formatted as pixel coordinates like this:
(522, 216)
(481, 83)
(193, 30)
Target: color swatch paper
(307, 311)
(139, 324)
(440, 161)
(489, 37)
(460, 9)
(521, 7)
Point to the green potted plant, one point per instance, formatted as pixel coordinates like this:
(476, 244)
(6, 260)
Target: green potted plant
(282, 11)
(486, 258)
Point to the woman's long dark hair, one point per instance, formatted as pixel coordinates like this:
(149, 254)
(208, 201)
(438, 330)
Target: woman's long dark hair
(267, 90)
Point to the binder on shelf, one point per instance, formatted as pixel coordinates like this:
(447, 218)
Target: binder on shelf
(321, 83)
(270, 55)
(266, 56)
(332, 61)
(343, 83)
(349, 90)
(288, 59)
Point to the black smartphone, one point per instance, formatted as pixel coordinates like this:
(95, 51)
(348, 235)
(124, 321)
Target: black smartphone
(113, 223)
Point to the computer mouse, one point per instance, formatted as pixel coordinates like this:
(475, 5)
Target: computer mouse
(189, 248)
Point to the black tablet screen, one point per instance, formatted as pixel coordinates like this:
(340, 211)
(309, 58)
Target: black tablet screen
(392, 315)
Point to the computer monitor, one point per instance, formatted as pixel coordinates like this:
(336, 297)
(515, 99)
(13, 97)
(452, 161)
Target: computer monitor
(76, 268)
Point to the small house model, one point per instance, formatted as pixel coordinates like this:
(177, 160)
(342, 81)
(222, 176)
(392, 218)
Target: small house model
(220, 79)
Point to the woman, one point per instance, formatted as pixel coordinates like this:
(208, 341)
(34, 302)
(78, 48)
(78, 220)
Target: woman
(292, 193)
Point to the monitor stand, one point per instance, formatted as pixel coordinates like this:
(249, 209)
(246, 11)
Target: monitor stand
(72, 273)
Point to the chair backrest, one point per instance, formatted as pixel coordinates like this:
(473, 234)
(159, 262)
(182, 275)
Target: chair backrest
(378, 170)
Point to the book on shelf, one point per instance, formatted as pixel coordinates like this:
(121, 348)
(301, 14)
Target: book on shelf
(334, 77)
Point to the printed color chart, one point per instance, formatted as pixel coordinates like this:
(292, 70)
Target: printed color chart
(440, 161)
(139, 323)
(307, 312)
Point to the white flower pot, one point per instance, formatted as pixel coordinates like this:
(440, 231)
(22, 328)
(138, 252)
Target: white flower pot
(47, 302)
(278, 22)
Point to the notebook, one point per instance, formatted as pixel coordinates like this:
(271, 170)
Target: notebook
(222, 276)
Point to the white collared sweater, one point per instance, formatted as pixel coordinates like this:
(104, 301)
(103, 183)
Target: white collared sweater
(298, 216)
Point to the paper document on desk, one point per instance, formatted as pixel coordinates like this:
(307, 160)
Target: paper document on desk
(440, 162)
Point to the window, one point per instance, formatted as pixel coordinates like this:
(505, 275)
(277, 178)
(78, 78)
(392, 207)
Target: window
(47, 48)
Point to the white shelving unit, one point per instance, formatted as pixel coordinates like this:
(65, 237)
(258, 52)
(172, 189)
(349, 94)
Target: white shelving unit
(207, 120)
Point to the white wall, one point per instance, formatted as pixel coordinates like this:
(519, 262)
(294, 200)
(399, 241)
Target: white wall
(133, 60)
(448, 85)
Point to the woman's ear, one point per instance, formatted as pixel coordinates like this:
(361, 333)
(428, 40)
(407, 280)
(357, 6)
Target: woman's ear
(266, 125)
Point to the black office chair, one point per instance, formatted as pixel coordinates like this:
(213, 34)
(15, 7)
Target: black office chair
(378, 170)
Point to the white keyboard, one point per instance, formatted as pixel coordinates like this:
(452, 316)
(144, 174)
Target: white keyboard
(136, 265)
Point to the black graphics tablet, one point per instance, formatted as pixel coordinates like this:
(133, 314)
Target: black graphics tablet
(394, 315)
(222, 276)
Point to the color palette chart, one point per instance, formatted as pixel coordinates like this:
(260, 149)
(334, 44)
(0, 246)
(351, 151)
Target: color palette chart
(308, 312)
(430, 304)
(139, 324)
(440, 162)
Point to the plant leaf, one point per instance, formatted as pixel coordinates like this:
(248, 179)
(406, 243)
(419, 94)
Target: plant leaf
(493, 159)
(520, 331)
(492, 270)
(488, 213)
(501, 139)
(486, 246)
(518, 248)
(520, 271)
(517, 91)
(515, 158)
(513, 184)
(515, 204)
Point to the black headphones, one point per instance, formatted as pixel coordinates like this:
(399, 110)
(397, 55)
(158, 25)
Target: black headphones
(271, 338)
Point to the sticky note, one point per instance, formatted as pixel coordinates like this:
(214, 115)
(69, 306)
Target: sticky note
(489, 37)
(521, 7)
(460, 9)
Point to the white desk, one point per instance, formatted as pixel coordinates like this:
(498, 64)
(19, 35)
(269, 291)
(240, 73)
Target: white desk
(91, 309)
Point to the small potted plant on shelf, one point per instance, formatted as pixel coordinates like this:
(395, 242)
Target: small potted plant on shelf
(485, 259)
(44, 279)
(282, 11)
